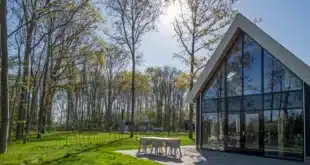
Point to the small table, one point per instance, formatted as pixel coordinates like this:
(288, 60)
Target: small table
(165, 139)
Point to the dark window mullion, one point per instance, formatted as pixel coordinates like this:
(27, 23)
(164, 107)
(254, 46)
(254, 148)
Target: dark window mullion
(226, 106)
(242, 120)
(261, 121)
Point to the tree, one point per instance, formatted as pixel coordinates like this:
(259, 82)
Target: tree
(116, 61)
(198, 28)
(131, 20)
(4, 78)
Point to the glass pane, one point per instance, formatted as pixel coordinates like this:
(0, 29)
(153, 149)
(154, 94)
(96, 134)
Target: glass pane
(221, 136)
(213, 133)
(234, 70)
(210, 93)
(252, 66)
(252, 102)
(283, 100)
(252, 131)
(205, 130)
(272, 101)
(293, 133)
(216, 89)
(222, 108)
(233, 138)
(284, 133)
(292, 99)
(271, 132)
(268, 72)
(210, 105)
(277, 77)
(234, 103)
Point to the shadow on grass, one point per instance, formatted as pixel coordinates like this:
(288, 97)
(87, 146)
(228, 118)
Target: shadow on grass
(46, 139)
(60, 136)
(160, 158)
(73, 155)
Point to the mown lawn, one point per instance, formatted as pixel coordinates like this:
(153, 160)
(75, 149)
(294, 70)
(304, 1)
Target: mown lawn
(86, 148)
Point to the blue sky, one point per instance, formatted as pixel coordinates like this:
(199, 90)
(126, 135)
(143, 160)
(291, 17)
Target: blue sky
(287, 21)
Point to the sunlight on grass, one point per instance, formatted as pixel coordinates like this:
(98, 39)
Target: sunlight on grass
(64, 148)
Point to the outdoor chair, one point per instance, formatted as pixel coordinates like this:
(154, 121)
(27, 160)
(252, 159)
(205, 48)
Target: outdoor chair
(157, 145)
(174, 146)
(144, 143)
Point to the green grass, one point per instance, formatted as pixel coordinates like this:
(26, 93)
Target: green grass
(86, 148)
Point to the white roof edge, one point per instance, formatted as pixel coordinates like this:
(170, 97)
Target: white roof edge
(297, 66)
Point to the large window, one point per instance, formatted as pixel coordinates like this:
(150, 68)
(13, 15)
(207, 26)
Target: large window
(213, 131)
(233, 139)
(234, 70)
(253, 103)
(251, 66)
(283, 135)
(277, 77)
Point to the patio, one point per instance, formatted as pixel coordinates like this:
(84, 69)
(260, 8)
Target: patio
(193, 157)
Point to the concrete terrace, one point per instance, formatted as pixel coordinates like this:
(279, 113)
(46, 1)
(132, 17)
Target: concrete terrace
(193, 157)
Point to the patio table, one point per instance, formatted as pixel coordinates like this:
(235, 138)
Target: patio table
(164, 139)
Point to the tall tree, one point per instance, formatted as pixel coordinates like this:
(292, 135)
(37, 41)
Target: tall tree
(116, 61)
(198, 28)
(131, 20)
(4, 78)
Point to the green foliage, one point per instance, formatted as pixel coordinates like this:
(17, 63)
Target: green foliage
(142, 82)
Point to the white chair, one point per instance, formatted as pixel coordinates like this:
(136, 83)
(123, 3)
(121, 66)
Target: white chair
(144, 143)
(174, 146)
(158, 146)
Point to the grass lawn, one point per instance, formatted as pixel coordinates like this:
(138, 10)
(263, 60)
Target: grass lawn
(87, 148)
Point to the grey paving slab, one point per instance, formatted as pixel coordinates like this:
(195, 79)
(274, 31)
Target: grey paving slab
(192, 157)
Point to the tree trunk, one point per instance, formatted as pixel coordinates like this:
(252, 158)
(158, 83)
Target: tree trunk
(43, 97)
(25, 87)
(128, 108)
(69, 108)
(191, 105)
(133, 93)
(4, 79)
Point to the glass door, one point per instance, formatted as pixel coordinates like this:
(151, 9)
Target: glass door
(251, 135)
(233, 131)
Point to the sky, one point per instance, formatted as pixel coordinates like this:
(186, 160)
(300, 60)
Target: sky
(287, 21)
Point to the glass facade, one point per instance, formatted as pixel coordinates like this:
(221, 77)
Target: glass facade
(254, 104)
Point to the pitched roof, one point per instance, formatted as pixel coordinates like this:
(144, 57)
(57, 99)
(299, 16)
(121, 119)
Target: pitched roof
(297, 66)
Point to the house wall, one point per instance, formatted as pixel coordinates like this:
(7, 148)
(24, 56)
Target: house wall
(252, 104)
(307, 121)
(198, 124)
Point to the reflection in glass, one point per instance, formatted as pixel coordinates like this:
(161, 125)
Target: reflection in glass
(210, 105)
(283, 100)
(205, 130)
(277, 77)
(292, 99)
(234, 103)
(272, 101)
(213, 131)
(253, 102)
(281, 103)
(216, 89)
(233, 138)
(271, 132)
(234, 70)
(284, 133)
(293, 133)
(252, 131)
(251, 66)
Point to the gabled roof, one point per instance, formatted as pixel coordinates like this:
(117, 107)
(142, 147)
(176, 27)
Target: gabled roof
(297, 66)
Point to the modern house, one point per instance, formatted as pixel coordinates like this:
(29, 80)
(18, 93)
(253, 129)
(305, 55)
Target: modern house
(253, 97)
